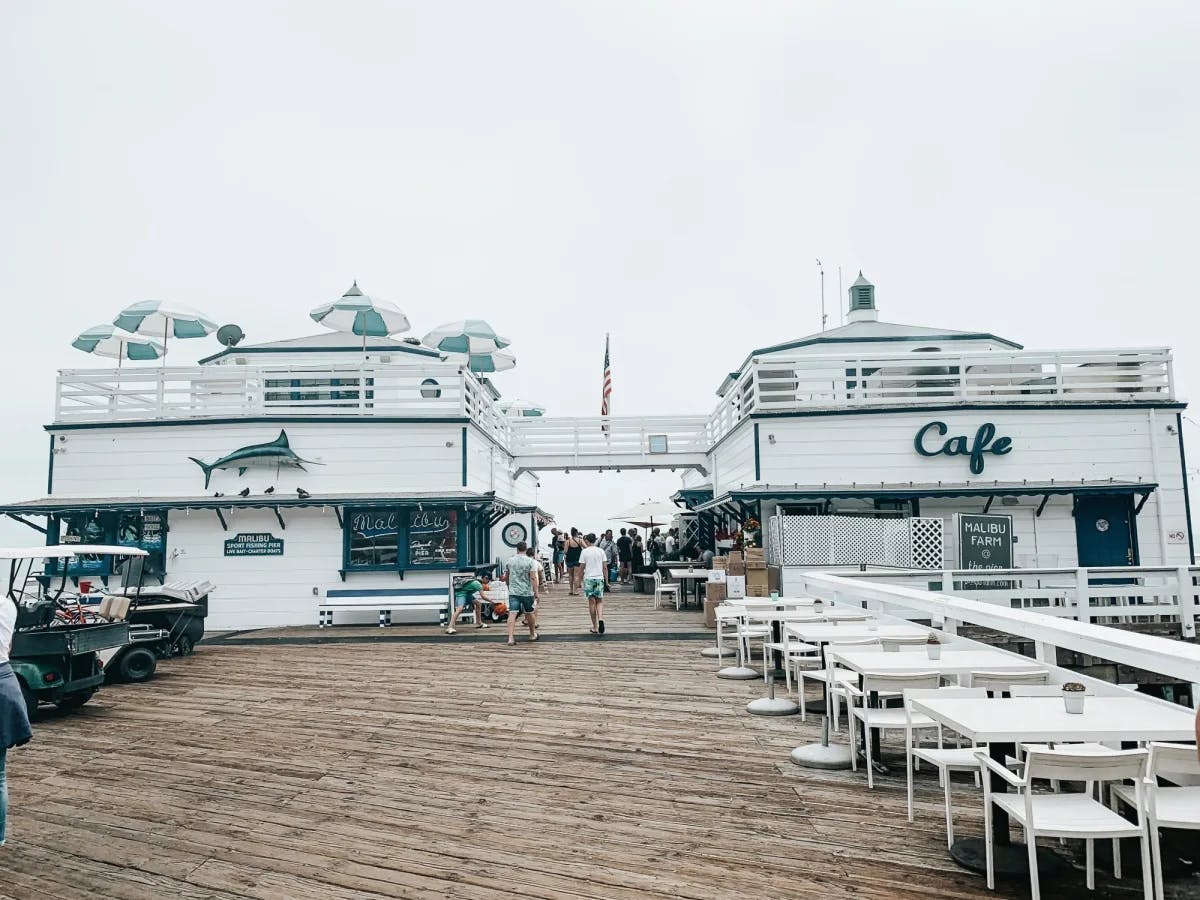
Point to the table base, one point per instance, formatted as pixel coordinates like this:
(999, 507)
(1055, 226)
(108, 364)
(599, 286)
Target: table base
(739, 673)
(1011, 860)
(822, 756)
(773, 706)
(713, 652)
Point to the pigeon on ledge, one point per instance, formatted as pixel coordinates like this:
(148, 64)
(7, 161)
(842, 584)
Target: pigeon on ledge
(270, 490)
(244, 492)
(302, 493)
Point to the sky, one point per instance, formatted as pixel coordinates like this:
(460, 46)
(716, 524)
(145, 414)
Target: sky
(667, 172)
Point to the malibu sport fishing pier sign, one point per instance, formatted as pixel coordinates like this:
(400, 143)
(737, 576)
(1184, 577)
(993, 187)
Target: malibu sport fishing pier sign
(257, 544)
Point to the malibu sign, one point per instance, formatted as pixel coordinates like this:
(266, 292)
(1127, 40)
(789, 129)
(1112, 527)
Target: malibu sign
(985, 441)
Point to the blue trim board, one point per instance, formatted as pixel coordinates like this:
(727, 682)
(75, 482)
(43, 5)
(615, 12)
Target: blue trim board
(379, 348)
(464, 456)
(757, 461)
(384, 592)
(1187, 497)
(50, 469)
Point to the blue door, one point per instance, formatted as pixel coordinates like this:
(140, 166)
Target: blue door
(1104, 532)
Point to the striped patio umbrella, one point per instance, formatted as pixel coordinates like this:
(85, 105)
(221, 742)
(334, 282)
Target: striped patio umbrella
(485, 363)
(108, 340)
(358, 313)
(519, 409)
(465, 336)
(161, 317)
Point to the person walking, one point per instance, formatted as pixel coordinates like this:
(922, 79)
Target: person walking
(624, 555)
(574, 572)
(609, 546)
(558, 551)
(594, 565)
(637, 551)
(522, 586)
(14, 718)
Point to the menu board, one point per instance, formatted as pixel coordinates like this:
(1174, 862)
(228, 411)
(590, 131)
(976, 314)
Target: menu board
(433, 537)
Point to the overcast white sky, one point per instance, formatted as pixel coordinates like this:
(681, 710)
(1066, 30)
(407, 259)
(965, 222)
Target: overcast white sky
(666, 171)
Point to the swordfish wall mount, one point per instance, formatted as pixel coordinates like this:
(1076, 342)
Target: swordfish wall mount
(276, 453)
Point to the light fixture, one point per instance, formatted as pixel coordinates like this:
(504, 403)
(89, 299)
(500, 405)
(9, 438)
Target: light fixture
(770, 439)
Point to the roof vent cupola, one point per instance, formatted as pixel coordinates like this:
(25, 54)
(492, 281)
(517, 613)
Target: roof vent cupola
(862, 301)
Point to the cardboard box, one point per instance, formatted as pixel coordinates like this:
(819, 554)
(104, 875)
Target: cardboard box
(757, 590)
(720, 562)
(736, 567)
(735, 587)
(756, 578)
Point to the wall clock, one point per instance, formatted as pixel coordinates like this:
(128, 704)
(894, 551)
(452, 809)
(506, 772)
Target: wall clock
(514, 533)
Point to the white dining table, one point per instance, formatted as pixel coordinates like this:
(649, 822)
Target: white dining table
(1002, 723)
(951, 662)
(696, 576)
(819, 632)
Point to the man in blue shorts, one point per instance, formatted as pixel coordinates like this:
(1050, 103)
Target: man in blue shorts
(522, 572)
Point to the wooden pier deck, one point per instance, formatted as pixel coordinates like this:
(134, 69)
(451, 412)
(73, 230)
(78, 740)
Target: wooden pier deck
(359, 763)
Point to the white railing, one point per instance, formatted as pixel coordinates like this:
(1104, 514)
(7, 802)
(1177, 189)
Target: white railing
(591, 442)
(235, 391)
(1165, 595)
(1177, 660)
(791, 383)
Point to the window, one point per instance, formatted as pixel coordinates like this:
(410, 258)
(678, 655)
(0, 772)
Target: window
(430, 389)
(433, 537)
(374, 539)
(146, 529)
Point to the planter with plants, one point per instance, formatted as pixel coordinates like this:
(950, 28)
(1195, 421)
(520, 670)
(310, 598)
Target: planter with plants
(933, 646)
(1073, 694)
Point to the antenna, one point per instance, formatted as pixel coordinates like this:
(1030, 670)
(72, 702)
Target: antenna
(824, 318)
(230, 335)
(841, 301)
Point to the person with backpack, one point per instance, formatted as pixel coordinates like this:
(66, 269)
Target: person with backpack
(14, 718)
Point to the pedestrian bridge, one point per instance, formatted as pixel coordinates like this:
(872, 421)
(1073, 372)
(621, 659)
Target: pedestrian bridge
(597, 443)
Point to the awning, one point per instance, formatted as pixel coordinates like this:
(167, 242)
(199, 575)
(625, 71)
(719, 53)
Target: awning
(735, 502)
(57, 506)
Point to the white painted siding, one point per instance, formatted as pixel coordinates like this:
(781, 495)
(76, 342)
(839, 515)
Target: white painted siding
(732, 462)
(265, 591)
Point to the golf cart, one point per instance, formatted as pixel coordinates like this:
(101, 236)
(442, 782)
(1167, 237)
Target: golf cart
(58, 641)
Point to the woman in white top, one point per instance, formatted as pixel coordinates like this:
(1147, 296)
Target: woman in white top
(14, 721)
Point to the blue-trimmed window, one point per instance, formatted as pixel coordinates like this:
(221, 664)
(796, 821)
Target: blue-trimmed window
(146, 529)
(410, 538)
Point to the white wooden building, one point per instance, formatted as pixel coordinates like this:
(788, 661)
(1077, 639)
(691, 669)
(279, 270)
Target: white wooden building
(385, 471)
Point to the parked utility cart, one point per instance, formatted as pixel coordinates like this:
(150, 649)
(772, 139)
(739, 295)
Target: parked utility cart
(57, 642)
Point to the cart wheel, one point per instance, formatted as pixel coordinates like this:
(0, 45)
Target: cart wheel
(74, 701)
(137, 665)
(184, 646)
(31, 700)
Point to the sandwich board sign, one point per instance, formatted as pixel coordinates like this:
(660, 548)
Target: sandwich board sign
(984, 542)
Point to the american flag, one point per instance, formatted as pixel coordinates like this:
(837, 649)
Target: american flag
(606, 389)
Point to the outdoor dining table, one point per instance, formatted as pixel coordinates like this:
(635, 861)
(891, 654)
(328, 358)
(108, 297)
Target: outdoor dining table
(952, 662)
(822, 632)
(1003, 723)
(696, 576)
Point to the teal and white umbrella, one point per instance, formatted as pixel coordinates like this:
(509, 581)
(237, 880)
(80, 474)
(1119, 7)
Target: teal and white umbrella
(465, 336)
(108, 340)
(161, 317)
(358, 313)
(485, 363)
(520, 409)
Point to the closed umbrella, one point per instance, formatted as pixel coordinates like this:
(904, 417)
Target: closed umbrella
(465, 336)
(108, 340)
(358, 313)
(161, 317)
(649, 514)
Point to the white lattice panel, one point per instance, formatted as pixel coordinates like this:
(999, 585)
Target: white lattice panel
(851, 540)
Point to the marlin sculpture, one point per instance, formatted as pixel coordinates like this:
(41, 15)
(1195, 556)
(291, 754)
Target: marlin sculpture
(277, 453)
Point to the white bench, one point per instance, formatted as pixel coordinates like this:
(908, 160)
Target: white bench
(385, 601)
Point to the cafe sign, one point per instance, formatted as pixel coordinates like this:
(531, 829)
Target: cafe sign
(256, 544)
(931, 440)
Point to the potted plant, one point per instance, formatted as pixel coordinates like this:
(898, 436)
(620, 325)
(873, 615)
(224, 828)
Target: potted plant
(933, 646)
(1073, 694)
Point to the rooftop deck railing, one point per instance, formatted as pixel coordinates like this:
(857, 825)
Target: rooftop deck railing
(1174, 659)
(610, 441)
(773, 384)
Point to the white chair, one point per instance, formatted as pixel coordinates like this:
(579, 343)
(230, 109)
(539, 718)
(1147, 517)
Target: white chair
(1067, 815)
(886, 718)
(1168, 805)
(795, 653)
(747, 632)
(726, 615)
(945, 759)
(831, 676)
(892, 644)
(999, 682)
(663, 589)
(1017, 691)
